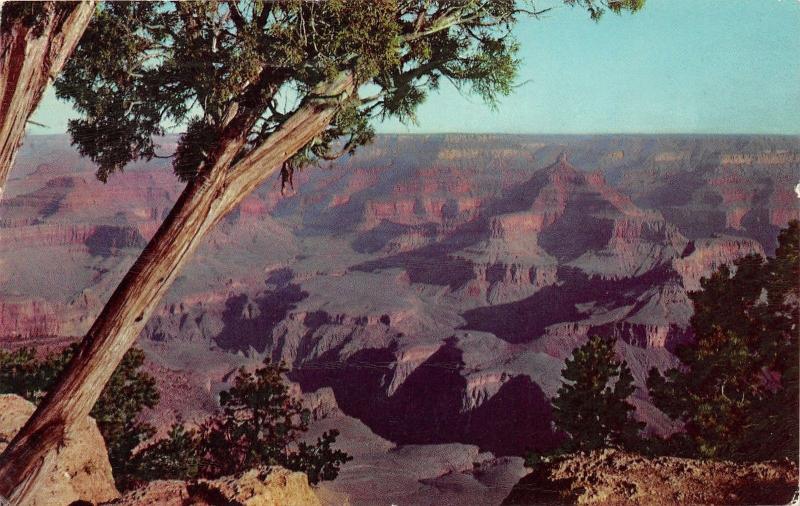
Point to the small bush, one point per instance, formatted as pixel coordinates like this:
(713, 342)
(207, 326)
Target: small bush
(260, 424)
(172, 458)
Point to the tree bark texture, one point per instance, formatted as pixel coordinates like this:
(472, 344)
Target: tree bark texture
(204, 201)
(31, 55)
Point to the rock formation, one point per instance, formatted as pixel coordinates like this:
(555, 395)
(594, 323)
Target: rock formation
(81, 471)
(618, 478)
(266, 486)
(433, 285)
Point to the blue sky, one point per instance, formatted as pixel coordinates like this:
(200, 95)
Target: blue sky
(678, 66)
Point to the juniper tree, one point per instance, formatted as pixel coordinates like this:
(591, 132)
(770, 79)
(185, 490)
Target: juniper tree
(36, 39)
(260, 424)
(591, 407)
(737, 392)
(259, 86)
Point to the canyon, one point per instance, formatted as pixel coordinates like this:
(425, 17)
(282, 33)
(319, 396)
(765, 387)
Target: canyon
(424, 291)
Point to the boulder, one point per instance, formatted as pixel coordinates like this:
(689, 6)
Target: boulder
(613, 477)
(82, 471)
(264, 486)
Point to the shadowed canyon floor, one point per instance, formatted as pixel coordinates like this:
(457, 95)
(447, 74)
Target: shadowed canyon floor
(425, 291)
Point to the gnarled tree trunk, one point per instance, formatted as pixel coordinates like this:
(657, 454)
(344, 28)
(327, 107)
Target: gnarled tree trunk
(202, 204)
(33, 50)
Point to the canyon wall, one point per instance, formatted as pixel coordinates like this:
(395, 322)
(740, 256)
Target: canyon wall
(433, 284)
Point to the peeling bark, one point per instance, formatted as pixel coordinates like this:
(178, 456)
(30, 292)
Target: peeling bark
(31, 55)
(202, 204)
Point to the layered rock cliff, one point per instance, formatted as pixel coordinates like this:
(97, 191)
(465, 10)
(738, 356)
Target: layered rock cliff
(433, 284)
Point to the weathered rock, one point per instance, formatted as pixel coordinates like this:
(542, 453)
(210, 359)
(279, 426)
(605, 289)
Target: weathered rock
(612, 477)
(81, 471)
(265, 486)
(160, 492)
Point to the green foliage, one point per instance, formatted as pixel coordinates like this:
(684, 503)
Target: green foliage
(29, 14)
(172, 458)
(128, 392)
(125, 395)
(319, 461)
(260, 424)
(738, 392)
(596, 8)
(591, 406)
(23, 374)
(259, 420)
(143, 65)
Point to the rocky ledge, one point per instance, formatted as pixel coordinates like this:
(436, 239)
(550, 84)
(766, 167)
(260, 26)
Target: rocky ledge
(612, 477)
(265, 486)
